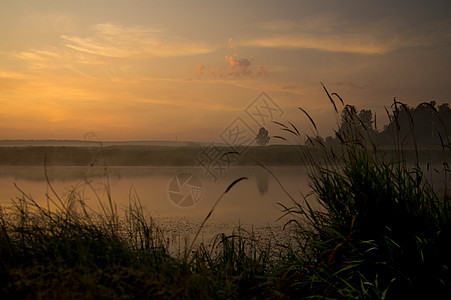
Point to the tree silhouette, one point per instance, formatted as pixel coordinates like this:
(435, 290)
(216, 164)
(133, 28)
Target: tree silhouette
(356, 124)
(366, 118)
(444, 112)
(426, 124)
(262, 137)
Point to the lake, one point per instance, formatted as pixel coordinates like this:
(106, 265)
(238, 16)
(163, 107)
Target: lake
(176, 201)
(251, 203)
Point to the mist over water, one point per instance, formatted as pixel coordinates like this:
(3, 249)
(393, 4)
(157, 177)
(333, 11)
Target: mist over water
(252, 202)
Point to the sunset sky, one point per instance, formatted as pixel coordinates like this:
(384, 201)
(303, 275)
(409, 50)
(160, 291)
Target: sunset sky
(154, 70)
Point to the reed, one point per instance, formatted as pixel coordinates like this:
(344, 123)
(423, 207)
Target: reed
(381, 229)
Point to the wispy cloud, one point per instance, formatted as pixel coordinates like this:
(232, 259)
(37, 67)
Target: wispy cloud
(351, 44)
(50, 22)
(326, 33)
(112, 40)
(4, 74)
(290, 87)
(280, 25)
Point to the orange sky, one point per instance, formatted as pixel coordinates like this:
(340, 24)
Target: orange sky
(146, 70)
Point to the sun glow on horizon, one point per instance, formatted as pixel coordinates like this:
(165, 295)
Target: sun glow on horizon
(132, 73)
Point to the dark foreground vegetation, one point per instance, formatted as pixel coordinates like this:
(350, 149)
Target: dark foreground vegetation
(380, 231)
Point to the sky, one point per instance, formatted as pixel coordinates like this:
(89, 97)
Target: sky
(186, 70)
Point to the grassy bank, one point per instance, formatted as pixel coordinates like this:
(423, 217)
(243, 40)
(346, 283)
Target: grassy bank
(73, 253)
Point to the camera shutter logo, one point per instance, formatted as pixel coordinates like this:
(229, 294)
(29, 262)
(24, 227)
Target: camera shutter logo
(185, 190)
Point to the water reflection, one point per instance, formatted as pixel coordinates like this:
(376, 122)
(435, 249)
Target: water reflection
(244, 202)
(262, 179)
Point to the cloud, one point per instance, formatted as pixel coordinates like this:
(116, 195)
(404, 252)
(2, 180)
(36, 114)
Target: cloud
(262, 71)
(10, 81)
(353, 86)
(52, 21)
(61, 62)
(328, 33)
(200, 69)
(231, 43)
(352, 43)
(112, 40)
(239, 68)
(280, 25)
(119, 50)
(5, 74)
(290, 87)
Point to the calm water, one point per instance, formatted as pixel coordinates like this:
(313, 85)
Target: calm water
(252, 202)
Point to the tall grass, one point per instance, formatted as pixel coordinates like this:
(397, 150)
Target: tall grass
(381, 230)
(70, 251)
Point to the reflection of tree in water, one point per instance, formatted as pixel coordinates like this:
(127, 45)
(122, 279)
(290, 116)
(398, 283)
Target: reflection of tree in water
(262, 137)
(262, 179)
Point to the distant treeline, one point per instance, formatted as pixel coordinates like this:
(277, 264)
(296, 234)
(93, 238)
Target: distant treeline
(176, 155)
(426, 124)
(144, 156)
(90, 143)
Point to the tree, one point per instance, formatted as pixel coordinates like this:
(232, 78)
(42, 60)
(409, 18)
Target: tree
(366, 118)
(357, 125)
(262, 137)
(445, 115)
(426, 123)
